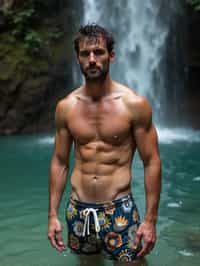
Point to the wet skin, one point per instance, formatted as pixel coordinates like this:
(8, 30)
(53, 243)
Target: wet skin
(106, 121)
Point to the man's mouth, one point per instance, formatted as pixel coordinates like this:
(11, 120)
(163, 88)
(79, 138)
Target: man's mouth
(92, 69)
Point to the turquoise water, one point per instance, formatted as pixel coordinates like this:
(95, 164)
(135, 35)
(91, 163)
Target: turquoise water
(24, 200)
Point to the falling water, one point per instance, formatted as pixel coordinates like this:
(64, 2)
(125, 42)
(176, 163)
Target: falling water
(141, 35)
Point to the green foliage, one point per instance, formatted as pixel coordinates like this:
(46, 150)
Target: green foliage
(32, 42)
(22, 26)
(194, 3)
(20, 20)
(56, 35)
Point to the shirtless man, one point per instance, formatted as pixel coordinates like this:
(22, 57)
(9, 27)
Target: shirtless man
(107, 122)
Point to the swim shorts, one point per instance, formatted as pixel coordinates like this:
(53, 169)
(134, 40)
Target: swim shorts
(107, 228)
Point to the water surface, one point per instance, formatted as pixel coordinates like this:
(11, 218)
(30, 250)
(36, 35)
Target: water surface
(24, 200)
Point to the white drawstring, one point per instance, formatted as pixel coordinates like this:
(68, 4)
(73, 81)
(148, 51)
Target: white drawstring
(86, 213)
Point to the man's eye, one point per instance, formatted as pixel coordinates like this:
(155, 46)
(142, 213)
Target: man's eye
(84, 53)
(99, 52)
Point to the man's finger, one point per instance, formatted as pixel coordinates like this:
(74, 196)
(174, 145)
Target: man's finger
(144, 250)
(138, 237)
(147, 248)
(59, 239)
(54, 243)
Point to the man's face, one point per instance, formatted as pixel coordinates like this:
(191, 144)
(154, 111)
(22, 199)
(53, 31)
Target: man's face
(94, 58)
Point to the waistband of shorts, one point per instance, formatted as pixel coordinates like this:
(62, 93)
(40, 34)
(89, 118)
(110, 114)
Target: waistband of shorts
(103, 204)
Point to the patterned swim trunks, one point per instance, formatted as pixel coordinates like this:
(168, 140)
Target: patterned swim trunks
(107, 228)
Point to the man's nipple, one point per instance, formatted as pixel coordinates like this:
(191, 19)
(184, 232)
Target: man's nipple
(116, 137)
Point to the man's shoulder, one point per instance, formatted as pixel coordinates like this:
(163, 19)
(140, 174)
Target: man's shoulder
(68, 101)
(138, 105)
(132, 99)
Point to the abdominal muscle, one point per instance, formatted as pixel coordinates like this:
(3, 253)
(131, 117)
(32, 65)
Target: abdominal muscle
(101, 175)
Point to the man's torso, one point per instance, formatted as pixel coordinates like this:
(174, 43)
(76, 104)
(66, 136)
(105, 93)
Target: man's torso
(104, 145)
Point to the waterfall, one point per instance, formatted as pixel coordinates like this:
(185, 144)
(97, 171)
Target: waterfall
(140, 31)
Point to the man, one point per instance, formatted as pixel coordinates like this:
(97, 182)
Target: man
(107, 122)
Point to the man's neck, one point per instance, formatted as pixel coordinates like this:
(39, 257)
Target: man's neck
(97, 89)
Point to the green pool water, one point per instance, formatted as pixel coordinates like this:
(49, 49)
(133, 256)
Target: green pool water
(24, 164)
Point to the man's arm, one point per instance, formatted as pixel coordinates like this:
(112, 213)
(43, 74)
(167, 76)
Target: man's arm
(58, 173)
(147, 145)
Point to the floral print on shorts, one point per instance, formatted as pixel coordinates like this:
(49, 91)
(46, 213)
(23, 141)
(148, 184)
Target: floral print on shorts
(118, 220)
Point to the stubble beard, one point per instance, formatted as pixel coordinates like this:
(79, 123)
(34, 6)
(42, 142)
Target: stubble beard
(95, 77)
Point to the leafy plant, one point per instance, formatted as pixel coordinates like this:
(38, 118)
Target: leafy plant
(54, 36)
(194, 3)
(20, 20)
(32, 42)
(22, 24)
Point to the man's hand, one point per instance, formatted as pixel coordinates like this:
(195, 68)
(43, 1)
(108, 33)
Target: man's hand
(147, 232)
(55, 234)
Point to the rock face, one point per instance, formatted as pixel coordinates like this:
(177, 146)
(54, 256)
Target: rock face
(183, 75)
(192, 92)
(31, 85)
(175, 59)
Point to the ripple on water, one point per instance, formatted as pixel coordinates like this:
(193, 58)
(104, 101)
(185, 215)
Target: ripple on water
(196, 179)
(186, 253)
(46, 140)
(174, 204)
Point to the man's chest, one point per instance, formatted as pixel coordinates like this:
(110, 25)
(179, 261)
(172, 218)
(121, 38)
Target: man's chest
(109, 122)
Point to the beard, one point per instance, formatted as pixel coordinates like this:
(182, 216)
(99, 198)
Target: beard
(95, 73)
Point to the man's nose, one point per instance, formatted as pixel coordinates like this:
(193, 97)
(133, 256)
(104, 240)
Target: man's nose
(92, 58)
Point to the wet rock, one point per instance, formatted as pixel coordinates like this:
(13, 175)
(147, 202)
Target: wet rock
(31, 85)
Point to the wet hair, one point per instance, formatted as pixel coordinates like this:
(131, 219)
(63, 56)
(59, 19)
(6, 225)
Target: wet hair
(94, 31)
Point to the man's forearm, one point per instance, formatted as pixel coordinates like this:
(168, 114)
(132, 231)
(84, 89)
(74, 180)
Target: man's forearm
(152, 175)
(57, 182)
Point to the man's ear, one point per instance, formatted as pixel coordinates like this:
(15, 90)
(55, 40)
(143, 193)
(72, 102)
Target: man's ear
(112, 56)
